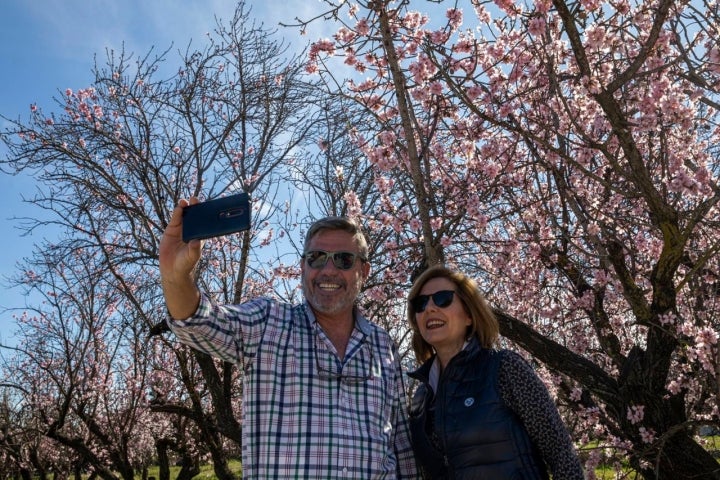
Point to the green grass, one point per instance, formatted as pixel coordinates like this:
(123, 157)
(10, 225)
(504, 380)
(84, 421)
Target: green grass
(711, 443)
(206, 471)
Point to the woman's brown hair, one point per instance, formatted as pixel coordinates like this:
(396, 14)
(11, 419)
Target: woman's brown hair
(484, 324)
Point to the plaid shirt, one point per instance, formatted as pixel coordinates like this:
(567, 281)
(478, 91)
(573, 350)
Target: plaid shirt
(306, 413)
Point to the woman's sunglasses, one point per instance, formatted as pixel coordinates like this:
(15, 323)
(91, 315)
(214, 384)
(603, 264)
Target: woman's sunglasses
(341, 260)
(441, 299)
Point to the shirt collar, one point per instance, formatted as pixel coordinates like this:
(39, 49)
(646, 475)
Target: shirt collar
(434, 374)
(362, 324)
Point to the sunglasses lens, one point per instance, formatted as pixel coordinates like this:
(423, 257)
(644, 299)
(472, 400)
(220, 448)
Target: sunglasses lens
(419, 303)
(341, 260)
(441, 299)
(344, 260)
(316, 259)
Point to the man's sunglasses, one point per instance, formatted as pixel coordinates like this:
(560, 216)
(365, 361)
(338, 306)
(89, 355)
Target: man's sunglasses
(341, 260)
(441, 299)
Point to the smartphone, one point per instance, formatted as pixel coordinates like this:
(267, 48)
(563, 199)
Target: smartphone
(217, 217)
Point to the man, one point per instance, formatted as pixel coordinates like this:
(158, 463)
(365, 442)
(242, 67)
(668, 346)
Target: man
(323, 395)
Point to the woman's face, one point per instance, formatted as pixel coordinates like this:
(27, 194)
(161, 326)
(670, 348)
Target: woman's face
(443, 327)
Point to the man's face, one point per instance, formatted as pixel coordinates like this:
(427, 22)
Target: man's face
(328, 289)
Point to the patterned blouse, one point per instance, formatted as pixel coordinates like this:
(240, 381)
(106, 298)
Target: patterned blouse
(526, 395)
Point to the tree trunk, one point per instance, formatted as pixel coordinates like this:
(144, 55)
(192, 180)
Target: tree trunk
(678, 457)
(222, 470)
(190, 467)
(26, 474)
(163, 460)
(681, 458)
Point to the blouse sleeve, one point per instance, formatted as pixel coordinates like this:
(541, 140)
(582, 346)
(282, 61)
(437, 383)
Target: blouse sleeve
(527, 396)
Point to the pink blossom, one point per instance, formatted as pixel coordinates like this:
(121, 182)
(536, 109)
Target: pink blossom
(595, 36)
(714, 59)
(324, 45)
(439, 36)
(536, 26)
(507, 6)
(576, 394)
(482, 14)
(388, 114)
(455, 15)
(384, 184)
(362, 27)
(674, 387)
(635, 413)
(368, 84)
(667, 318)
(387, 138)
(542, 6)
(345, 35)
(474, 92)
(647, 434)
(591, 5)
(350, 58)
(464, 45)
(353, 204)
(267, 240)
(414, 20)
(436, 88)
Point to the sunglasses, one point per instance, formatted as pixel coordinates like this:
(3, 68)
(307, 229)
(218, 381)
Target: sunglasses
(441, 299)
(341, 260)
(360, 368)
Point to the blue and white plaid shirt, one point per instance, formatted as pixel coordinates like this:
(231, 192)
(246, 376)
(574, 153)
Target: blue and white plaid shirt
(306, 413)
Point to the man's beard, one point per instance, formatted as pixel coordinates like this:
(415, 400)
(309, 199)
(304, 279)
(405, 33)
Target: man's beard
(328, 306)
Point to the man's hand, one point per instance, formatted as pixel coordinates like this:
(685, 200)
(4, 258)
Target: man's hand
(177, 263)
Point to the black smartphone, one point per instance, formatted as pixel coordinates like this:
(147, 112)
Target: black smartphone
(217, 217)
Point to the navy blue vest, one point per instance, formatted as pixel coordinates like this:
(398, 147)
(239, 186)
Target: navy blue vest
(465, 430)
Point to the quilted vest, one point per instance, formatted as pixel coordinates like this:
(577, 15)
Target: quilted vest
(465, 430)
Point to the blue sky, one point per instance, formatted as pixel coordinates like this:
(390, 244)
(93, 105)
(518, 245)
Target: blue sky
(47, 46)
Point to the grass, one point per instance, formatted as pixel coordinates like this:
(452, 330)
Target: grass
(604, 472)
(206, 471)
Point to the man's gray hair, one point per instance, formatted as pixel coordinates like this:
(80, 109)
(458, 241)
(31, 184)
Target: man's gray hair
(344, 224)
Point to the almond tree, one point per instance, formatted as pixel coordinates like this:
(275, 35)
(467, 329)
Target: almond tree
(111, 163)
(565, 153)
(81, 376)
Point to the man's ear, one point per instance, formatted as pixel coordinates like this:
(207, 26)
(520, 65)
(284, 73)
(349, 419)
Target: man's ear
(365, 270)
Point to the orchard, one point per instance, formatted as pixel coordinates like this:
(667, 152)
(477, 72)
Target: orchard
(564, 154)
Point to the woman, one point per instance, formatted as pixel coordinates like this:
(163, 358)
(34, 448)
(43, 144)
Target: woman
(478, 413)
